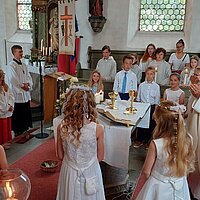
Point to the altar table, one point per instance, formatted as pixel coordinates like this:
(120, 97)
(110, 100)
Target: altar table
(117, 137)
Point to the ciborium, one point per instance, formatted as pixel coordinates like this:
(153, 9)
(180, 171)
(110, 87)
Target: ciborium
(113, 95)
(131, 109)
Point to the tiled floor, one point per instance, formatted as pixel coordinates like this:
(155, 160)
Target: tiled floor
(118, 185)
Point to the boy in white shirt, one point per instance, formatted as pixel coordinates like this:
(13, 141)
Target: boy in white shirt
(148, 92)
(125, 80)
(107, 65)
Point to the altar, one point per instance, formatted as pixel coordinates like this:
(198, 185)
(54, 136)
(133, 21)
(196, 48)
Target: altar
(117, 136)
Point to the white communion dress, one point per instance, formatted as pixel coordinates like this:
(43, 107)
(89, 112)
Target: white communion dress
(159, 186)
(80, 175)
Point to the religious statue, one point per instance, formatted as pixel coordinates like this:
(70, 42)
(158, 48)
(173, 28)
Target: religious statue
(53, 30)
(96, 7)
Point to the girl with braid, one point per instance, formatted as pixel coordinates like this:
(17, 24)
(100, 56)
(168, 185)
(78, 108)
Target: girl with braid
(169, 159)
(80, 146)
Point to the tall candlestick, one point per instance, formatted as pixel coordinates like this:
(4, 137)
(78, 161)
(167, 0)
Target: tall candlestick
(156, 72)
(185, 76)
(41, 44)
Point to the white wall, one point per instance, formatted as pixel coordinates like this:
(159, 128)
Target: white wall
(120, 30)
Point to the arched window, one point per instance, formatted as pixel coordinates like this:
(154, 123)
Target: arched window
(24, 14)
(162, 15)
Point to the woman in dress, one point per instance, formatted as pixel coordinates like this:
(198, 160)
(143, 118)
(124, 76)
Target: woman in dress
(179, 60)
(146, 58)
(80, 146)
(193, 125)
(169, 159)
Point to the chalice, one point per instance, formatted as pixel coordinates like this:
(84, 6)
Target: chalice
(131, 109)
(113, 95)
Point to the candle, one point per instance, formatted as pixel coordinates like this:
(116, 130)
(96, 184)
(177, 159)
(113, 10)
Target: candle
(41, 44)
(49, 51)
(97, 98)
(156, 71)
(46, 52)
(185, 76)
(10, 192)
(43, 51)
(101, 95)
(51, 44)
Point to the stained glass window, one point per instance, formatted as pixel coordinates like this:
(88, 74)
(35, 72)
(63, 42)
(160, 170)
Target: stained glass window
(162, 15)
(24, 14)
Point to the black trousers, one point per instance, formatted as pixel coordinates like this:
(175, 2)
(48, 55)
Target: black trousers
(21, 118)
(145, 134)
(124, 96)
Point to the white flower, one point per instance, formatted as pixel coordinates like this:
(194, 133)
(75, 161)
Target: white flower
(73, 80)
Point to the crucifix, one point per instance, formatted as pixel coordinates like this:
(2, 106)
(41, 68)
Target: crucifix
(66, 17)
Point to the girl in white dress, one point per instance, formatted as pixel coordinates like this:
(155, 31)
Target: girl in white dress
(174, 93)
(188, 72)
(80, 146)
(169, 159)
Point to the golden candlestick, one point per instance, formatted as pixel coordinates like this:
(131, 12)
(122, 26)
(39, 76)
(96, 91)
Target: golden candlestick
(113, 95)
(131, 109)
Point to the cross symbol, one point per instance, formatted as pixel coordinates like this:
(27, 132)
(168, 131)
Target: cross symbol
(66, 17)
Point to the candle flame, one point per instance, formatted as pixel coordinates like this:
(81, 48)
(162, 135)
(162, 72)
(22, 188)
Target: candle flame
(9, 189)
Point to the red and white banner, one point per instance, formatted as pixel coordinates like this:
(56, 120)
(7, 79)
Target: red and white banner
(66, 27)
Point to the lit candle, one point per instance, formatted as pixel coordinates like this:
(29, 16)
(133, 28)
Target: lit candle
(156, 72)
(97, 98)
(10, 192)
(101, 95)
(41, 45)
(185, 76)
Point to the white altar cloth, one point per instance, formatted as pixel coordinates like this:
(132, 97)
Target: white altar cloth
(143, 112)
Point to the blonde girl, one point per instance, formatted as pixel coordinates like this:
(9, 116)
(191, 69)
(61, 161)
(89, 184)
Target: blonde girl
(169, 159)
(194, 62)
(80, 147)
(174, 93)
(95, 82)
(6, 110)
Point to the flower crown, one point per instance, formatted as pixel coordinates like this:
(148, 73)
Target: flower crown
(176, 108)
(80, 87)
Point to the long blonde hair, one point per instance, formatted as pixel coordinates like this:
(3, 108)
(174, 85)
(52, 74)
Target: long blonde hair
(3, 85)
(170, 125)
(78, 107)
(99, 84)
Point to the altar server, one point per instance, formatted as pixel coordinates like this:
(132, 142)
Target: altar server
(6, 110)
(20, 82)
(125, 80)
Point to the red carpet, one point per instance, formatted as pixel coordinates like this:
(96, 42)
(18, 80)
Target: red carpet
(43, 184)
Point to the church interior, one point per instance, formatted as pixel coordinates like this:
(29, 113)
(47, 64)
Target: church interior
(62, 43)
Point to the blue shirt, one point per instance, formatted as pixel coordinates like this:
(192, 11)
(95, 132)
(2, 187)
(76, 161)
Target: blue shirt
(131, 83)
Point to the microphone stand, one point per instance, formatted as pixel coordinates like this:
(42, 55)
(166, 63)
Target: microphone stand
(41, 135)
